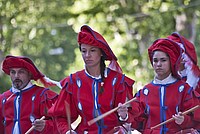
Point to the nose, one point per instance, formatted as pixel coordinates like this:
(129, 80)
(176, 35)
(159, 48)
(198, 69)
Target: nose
(159, 63)
(16, 75)
(87, 54)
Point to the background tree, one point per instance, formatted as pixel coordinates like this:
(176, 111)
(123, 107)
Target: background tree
(46, 31)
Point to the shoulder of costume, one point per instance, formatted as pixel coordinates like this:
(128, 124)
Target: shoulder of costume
(38, 89)
(123, 77)
(44, 93)
(71, 78)
(129, 81)
(6, 93)
(183, 82)
(48, 94)
(148, 85)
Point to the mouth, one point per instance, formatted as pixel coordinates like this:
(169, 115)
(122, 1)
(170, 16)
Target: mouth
(88, 61)
(158, 70)
(17, 83)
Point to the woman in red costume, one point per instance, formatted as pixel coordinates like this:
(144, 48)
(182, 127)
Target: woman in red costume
(94, 90)
(189, 69)
(165, 97)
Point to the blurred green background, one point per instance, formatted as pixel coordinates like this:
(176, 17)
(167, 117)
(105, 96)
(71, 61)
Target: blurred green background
(46, 31)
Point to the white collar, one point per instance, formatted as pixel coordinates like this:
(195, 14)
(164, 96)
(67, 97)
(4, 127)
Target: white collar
(14, 90)
(98, 77)
(167, 80)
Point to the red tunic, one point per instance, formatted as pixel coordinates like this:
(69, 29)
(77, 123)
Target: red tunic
(22, 108)
(157, 103)
(196, 92)
(196, 112)
(80, 91)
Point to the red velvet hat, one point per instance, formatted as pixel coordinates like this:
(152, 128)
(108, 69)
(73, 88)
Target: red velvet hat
(24, 62)
(189, 49)
(188, 46)
(21, 62)
(91, 37)
(173, 50)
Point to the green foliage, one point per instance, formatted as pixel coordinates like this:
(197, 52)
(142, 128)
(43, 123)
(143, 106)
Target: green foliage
(46, 31)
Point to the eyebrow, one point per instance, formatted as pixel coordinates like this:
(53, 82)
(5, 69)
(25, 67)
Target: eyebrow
(163, 58)
(160, 58)
(91, 47)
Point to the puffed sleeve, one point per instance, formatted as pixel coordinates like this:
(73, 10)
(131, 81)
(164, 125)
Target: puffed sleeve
(187, 103)
(196, 120)
(58, 111)
(137, 112)
(124, 89)
(48, 98)
(129, 86)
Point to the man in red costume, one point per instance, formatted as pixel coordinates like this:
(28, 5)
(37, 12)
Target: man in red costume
(25, 103)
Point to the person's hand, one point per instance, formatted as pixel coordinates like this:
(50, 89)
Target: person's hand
(194, 131)
(39, 124)
(122, 111)
(179, 118)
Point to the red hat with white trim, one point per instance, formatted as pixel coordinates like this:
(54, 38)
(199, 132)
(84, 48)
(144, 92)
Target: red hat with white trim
(93, 38)
(24, 62)
(188, 46)
(189, 50)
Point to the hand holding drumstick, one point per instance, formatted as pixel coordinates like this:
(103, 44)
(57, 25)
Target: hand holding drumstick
(109, 112)
(38, 124)
(171, 119)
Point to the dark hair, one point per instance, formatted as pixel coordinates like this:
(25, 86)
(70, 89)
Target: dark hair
(102, 69)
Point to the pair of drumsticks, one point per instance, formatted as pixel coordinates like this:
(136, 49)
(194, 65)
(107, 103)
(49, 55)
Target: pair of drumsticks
(113, 110)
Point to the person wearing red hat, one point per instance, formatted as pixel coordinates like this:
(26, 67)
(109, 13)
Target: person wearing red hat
(25, 103)
(167, 96)
(94, 90)
(189, 69)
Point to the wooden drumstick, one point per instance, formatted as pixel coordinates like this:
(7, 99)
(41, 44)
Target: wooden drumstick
(171, 119)
(68, 115)
(31, 129)
(9, 96)
(109, 112)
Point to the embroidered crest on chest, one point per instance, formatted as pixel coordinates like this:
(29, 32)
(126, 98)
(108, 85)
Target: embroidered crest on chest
(146, 91)
(181, 88)
(78, 83)
(114, 81)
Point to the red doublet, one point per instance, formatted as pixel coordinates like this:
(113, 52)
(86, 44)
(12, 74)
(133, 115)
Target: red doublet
(22, 108)
(157, 103)
(196, 93)
(196, 112)
(81, 92)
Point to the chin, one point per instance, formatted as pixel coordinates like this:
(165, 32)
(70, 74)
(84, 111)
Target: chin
(160, 77)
